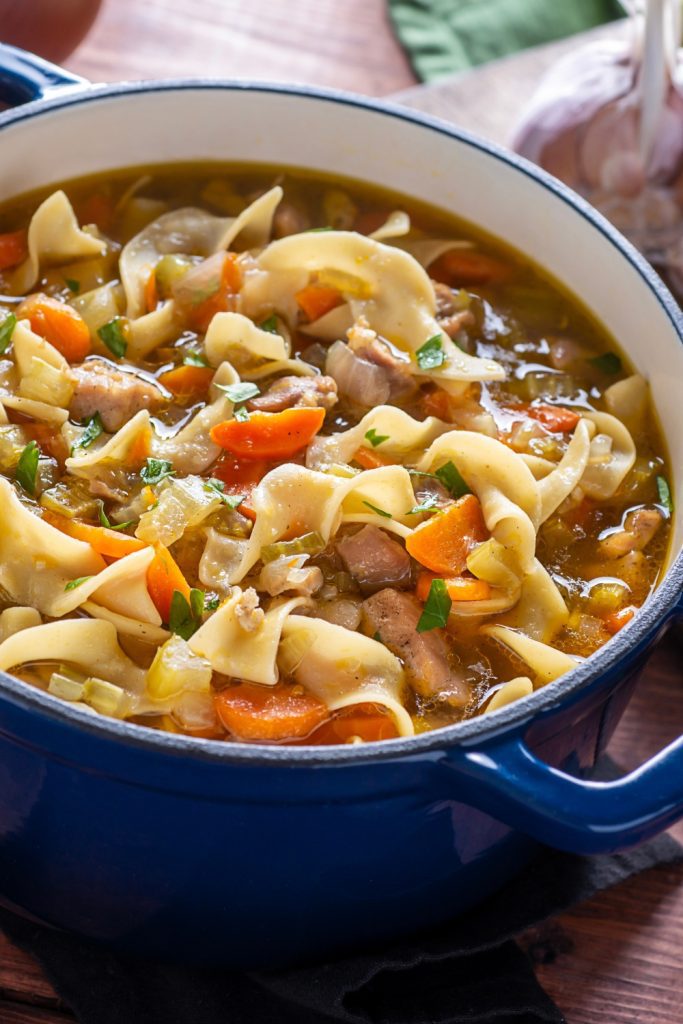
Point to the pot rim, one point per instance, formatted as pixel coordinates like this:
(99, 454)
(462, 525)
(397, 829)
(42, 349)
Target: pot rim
(629, 643)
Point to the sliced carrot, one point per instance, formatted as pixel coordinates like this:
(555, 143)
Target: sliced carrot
(467, 266)
(222, 300)
(139, 450)
(617, 620)
(163, 579)
(109, 543)
(269, 435)
(368, 722)
(369, 459)
(58, 323)
(250, 711)
(443, 542)
(437, 402)
(98, 209)
(554, 418)
(151, 292)
(188, 383)
(317, 299)
(240, 478)
(13, 248)
(460, 588)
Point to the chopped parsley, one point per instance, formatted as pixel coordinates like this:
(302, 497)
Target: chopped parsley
(106, 522)
(194, 358)
(377, 637)
(72, 584)
(93, 428)
(211, 603)
(240, 392)
(241, 414)
(431, 355)
(664, 492)
(437, 607)
(218, 488)
(73, 285)
(113, 336)
(379, 511)
(608, 363)
(450, 477)
(27, 467)
(156, 470)
(270, 324)
(185, 617)
(7, 330)
(374, 438)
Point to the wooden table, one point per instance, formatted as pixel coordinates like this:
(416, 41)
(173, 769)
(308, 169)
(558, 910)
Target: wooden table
(619, 954)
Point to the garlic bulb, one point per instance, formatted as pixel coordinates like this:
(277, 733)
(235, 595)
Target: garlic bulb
(608, 120)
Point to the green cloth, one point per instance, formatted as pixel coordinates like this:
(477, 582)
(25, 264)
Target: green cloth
(443, 36)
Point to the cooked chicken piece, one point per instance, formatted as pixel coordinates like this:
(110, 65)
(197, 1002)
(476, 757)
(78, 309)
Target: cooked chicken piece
(288, 392)
(394, 617)
(247, 611)
(451, 319)
(640, 527)
(445, 300)
(116, 394)
(289, 220)
(366, 344)
(289, 573)
(374, 559)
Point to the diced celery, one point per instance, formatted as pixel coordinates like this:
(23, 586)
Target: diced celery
(175, 669)
(308, 544)
(607, 596)
(71, 497)
(65, 687)
(106, 698)
(169, 270)
(45, 383)
(13, 440)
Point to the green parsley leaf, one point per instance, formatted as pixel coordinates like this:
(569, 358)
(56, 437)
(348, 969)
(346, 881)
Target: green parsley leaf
(240, 414)
(374, 438)
(27, 467)
(379, 511)
(311, 231)
(450, 477)
(608, 363)
(664, 492)
(113, 336)
(211, 603)
(185, 617)
(240, 392)
(231, 500)
(105, 520)
(429, 504)
(73, 285)
(194, 358)
(7, 330)
(270, 324)
(156, 470)
(377, 637)
(93, 428)
(437, 607)
(72, 584)
(431, 355)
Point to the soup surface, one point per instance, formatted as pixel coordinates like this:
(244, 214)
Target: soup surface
(291, 460)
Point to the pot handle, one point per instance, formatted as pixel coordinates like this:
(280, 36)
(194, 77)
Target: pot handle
(25, 77)
(515, 786)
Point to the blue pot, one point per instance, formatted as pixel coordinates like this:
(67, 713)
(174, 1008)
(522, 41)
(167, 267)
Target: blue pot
(261, 856)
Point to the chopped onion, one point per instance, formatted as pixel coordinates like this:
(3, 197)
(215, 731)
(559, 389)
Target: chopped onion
(363, 382)
(342, 611)
(181, 505)
(288, 573)
(175, 669)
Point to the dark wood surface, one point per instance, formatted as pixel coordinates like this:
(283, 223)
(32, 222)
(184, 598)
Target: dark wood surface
(617, 958)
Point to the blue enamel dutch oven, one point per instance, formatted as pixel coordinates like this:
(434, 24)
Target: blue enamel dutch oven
(262, 856)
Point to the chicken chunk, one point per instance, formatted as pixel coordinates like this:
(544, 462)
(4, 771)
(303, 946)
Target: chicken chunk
(640, 527)
(288, 392)
(374, 559)
(451, 319)
(394, 617)
(366, 344)
(116, 394)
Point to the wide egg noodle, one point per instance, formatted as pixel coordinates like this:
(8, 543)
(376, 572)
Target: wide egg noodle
(90, 644)
(561, 481)
(147, 332)
(396, 225)
(27, 346)
(126, 626)
(35, 410)
(53, 237)
(545, 662)
(601, 479)
(235, 651)
(540, 611)
(510, 692)
(392, 292)
(402, 434)
(428, 250)
(192, 232)
(114, 450)
(232, 336)
(343, 668)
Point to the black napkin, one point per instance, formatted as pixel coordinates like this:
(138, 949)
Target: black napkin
(469, 971)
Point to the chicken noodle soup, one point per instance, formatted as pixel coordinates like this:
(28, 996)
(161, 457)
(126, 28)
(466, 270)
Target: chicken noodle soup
(290, 460)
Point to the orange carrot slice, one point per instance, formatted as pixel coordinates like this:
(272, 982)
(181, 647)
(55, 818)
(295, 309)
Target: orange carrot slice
(58, 323)
(317, 299)
(163, 578)
(282, 712)
(13, 249)
(269, 435)
(188, 383)
(109, 543)
(443, 542)
(617, 620)
(554, 418)
(460, 588)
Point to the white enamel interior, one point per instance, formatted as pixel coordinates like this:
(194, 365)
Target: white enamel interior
(213, 123)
